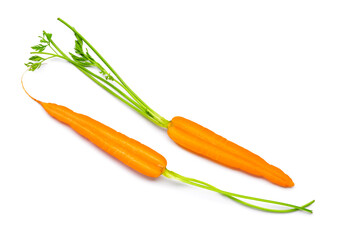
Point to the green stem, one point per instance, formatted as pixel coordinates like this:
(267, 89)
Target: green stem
(45, 53)
(48, 58)
(163, 122)
(98, 54)
(94, 75)
(137, 109)
(125, 99)
(52, 49)
(170, 174)
(59, 50)
(110, 84)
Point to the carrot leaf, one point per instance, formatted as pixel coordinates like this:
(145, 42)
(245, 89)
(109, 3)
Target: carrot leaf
(82, 59)
(39, 47)
(36, 58)
(33, 66)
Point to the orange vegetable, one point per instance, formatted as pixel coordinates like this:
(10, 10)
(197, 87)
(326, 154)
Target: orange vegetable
(131, 152)
(140, 157)
(202, 141)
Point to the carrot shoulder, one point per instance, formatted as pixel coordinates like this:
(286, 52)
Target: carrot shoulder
(202, 141)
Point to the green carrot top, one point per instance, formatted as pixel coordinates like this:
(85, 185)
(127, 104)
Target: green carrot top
(107, 78)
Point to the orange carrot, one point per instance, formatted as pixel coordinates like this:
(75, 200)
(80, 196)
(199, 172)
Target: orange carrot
(202, 141)
(131, 152)
(140, 157)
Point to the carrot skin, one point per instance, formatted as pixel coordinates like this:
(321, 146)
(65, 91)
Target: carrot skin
(129, 151)
(204, 142)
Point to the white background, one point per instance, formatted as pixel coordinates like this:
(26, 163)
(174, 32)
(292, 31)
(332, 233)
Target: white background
(267, 75)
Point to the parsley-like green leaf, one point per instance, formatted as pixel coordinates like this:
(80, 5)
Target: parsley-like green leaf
(28, 64)
(78, 38)
(43, 40)
(79, 45)
(109, 77)
(77, 58)
(85, 64)
(81, 60)
(78, 48)
(39, 47)
(89, 56)
(47, 36)
(36, 58)
(33, 66)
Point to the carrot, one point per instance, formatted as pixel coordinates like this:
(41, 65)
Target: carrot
(140, 157)
(184, 132)
(202, 141)
(131, 152)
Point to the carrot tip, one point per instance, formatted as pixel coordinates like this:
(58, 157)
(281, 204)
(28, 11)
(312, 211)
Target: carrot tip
(26, 91)
(289, 183)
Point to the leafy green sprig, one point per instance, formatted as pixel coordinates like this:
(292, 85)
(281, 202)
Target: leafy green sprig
(82, 59)
(37, 61)
(86, 60)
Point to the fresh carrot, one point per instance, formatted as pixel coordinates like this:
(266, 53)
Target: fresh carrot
(202, 141)
(184, 132)
(140, 157)
(131, 152)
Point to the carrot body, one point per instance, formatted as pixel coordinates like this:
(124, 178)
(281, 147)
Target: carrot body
(202, 141)
(131, 152)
